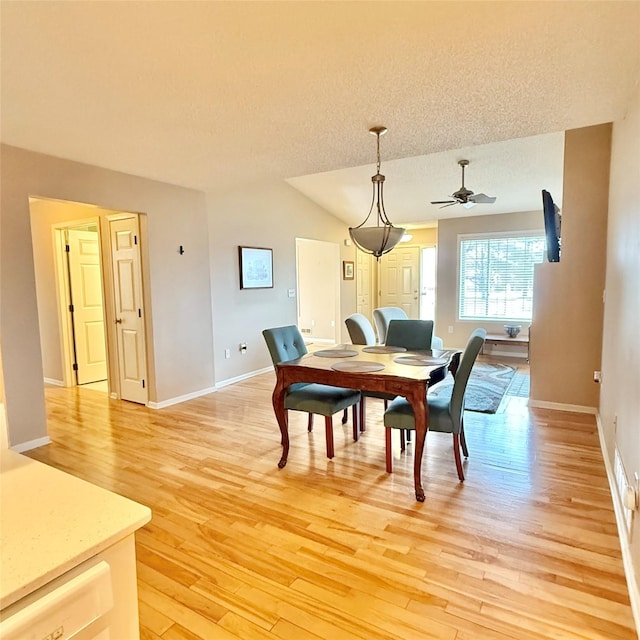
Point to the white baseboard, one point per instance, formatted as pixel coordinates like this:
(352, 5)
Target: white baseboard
(32, 444)
(179, 399)
(627, 560)
(558, 406)
(244, 376)
(57, 383)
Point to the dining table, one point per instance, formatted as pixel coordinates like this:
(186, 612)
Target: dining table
(379, 368)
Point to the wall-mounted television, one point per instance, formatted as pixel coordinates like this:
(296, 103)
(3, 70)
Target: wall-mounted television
(552, 226)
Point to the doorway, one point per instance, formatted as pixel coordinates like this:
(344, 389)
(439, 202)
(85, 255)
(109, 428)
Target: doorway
(88, 273)
(318, 275)
(428, 283)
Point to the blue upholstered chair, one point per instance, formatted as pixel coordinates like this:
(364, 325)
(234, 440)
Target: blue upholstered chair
(360, 329)
(382, 316)
(413, 335)
(446, 410)
(286, 343)
(361, 332)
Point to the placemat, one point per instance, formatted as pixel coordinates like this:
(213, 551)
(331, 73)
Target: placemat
(420, 361)
(335, 353)
(358, 366)
(384, 349)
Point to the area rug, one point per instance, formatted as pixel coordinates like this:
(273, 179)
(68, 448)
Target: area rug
(487, 385)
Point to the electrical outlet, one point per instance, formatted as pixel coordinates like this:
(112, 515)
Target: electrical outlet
(227, 354)
(450, 328)
(597, 377)
(291, 293)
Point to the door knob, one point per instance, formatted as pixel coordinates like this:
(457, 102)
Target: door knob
(118, 320)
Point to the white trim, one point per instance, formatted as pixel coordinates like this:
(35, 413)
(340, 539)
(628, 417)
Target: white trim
(520, 354)
(179, 399)
(57, 383)
(114, 396)
(618, 508)
(558, 406)
(31, 444)
(244, 376)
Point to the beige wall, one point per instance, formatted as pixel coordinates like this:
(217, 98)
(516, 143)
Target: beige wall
(178, 287)
(447, 273)
(270, 215)
(620, 388)
(423, 237)
(568, 295)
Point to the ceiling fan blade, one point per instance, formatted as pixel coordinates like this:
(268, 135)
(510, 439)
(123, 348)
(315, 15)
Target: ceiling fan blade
(481, 198)
(449, 204)
(443, 202)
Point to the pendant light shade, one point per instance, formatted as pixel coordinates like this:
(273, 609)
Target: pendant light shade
(381, 238)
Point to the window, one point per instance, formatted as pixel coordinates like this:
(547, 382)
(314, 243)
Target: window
(496, 276)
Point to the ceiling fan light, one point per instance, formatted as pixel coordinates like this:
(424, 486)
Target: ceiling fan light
(376, 240)
(468, 205)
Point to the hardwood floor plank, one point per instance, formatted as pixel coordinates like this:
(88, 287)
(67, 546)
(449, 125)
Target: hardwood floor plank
(525, 549)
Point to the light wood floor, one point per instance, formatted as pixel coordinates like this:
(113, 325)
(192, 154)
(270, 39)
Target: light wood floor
(526, 548)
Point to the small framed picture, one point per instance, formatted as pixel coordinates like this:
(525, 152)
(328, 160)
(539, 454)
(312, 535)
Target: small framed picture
(256, 267)
(347, 269)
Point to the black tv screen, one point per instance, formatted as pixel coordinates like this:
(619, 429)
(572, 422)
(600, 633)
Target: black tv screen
(552, 226)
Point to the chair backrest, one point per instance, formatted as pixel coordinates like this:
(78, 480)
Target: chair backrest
(469, 355)
(360, 329)
(284, 343)
(382, 316)
(410, 334)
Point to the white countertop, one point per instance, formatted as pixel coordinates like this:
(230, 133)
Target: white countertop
(52, 521)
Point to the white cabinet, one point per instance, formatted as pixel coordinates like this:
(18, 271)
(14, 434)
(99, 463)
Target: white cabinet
(68, 556)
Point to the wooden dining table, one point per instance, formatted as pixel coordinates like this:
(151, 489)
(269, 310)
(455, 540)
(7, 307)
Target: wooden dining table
(379, 369)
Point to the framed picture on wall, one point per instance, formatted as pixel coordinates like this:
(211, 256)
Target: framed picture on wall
(347, 269)
(256, 267)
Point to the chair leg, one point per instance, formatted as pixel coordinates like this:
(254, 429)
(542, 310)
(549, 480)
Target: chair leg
(355, 411)
(345, 416)
(463, 442)
(402, 441)
(328, 428)
(310, 423)
(362, 417)
(456, 454)
(388, 449)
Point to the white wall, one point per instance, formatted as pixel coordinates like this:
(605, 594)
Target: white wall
(620, 388)
(269, 215)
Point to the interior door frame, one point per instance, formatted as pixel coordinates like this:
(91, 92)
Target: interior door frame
(63, 296)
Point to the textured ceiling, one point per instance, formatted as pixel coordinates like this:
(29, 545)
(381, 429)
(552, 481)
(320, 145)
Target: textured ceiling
(217, 95)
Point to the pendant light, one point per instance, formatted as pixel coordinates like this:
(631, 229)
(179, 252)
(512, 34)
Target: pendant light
(384, 236)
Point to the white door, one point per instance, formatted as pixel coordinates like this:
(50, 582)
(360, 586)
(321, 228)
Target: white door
(400, 280)
(127, 283)
(85, 281)
(363, 284)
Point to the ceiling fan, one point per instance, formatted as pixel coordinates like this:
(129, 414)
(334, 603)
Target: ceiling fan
(465, 196)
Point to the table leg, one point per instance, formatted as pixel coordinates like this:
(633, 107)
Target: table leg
(418, 400)
(281, 415)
